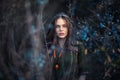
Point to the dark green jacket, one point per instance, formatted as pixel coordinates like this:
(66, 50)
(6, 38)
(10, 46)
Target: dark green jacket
(66, 66)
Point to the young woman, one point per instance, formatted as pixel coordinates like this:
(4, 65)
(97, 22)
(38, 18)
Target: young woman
(62, 54)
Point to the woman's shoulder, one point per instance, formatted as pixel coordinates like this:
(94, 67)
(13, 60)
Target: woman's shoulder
(74, 46)
(73, 49)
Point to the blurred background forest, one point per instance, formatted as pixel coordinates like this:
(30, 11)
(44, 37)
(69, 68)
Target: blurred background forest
(24, 24)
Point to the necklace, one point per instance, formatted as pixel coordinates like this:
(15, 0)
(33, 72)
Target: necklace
(55, 55)
(56, 66)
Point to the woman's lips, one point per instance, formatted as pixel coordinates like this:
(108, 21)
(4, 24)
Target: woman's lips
(61, 34)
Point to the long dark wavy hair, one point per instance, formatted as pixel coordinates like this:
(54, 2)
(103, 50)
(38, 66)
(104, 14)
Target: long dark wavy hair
(51, 35)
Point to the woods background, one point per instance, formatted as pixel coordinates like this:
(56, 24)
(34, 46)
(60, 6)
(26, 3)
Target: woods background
(96, 29)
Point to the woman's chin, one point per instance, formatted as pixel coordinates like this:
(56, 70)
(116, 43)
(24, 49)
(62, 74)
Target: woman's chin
(62, 37)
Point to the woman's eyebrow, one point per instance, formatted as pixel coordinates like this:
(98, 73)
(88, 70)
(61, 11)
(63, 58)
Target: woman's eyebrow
(57, 25)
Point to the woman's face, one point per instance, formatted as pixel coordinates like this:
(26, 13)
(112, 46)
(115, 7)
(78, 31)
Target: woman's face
(61, 28)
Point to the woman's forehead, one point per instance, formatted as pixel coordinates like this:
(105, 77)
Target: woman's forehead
(63, 20)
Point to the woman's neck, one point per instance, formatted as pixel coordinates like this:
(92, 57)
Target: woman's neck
(61, 42)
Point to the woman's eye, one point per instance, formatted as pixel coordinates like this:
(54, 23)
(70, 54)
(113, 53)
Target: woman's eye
(64, 26)
(58, 26)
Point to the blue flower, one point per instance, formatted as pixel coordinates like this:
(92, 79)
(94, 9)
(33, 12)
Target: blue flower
(101, 25)
(83, 33)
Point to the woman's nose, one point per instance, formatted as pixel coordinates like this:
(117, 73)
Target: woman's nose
(61, 27)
